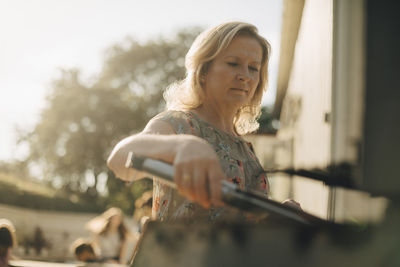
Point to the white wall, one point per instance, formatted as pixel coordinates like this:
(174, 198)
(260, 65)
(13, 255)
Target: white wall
(306, 136)
(305, 128)
(59, 228)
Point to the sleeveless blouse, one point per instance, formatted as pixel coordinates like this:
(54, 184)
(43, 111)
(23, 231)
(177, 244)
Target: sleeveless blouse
(238, 162)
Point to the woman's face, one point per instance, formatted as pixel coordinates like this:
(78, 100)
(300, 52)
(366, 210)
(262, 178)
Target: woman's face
(234, 74)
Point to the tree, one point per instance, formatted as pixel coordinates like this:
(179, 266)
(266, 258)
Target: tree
(83, 119)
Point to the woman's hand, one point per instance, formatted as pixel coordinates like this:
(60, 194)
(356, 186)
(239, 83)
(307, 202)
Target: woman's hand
(198, 173)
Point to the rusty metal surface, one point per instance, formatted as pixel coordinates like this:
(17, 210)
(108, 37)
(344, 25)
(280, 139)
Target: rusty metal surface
(278, 242)
(29, 263)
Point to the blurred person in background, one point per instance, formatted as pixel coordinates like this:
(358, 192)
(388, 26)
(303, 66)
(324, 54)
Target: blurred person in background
(111, 235)
(143, 206)
(142, 214)
(85, 250)
(8, 241)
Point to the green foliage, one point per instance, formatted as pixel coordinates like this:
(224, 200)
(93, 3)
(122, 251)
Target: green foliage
(24, 193)
(84, 119)
(268, 125)
(124, 194)
(18, 168)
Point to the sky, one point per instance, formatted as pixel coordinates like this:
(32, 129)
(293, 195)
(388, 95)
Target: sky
(38, 37)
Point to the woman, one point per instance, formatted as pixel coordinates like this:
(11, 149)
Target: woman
(111, 235)
(200, 134)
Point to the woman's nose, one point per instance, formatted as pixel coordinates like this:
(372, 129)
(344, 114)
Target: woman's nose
(243, 76)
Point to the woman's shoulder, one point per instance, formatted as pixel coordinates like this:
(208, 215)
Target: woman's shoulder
(172, 114)
(183, 122)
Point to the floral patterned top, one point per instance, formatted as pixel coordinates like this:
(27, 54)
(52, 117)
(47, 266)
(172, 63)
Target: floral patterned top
(238, 161)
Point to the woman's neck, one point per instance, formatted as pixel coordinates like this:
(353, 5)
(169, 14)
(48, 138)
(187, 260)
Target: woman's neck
(218, 117)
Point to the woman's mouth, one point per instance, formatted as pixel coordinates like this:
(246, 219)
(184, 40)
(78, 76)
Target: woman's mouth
(239, 90)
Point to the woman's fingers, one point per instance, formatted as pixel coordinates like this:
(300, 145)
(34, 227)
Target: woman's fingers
(201, 184)
(188, 186)
(216, 176)
(181, 179)
(198, 175)
(201, 187)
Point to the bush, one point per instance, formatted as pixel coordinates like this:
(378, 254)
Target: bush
(12, 194)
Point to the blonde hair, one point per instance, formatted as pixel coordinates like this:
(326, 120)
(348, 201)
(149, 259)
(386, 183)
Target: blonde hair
(189, 94)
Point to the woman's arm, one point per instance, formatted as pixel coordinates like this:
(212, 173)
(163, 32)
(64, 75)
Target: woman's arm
(198, 173)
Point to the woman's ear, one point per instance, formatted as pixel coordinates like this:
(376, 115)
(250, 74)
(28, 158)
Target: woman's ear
(202, 78)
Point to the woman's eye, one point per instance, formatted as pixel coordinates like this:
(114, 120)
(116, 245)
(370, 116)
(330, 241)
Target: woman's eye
(253, 69)
(233, 64)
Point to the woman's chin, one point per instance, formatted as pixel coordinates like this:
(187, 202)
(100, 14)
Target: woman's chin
(237, 99)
